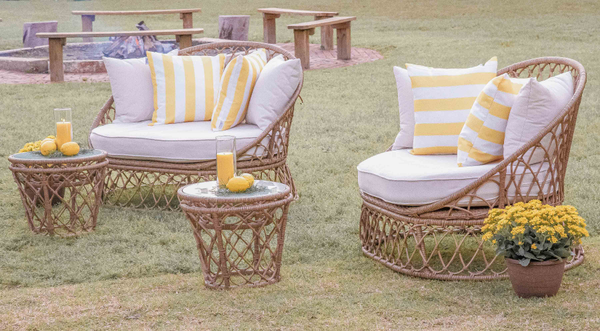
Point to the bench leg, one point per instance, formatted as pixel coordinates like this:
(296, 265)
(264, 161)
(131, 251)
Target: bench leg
(269, 28)
(55, 50)
(86, 26)
(344, 47)
(185, 41)
(326, 35)
(188, 21)
(302, 47)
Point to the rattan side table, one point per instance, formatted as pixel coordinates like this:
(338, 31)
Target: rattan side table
(239, 235)
(61, 195)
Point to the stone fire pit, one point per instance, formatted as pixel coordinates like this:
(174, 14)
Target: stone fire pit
(78, 57)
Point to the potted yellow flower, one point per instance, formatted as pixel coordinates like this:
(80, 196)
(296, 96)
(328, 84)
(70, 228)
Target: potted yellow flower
(536, 241)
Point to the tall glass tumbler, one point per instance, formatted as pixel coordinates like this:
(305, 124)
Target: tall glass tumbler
(226, 159)
(64, 130)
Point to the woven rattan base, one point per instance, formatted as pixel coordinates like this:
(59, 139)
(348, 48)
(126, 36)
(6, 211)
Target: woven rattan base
(425, 248)
(239, 241)
(61, 196)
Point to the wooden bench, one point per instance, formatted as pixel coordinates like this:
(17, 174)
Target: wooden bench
(89, 16)
(269, 27)
(303, 30)
(57, 40)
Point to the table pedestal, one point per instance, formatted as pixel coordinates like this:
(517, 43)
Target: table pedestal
(61, 196)
(240, 242)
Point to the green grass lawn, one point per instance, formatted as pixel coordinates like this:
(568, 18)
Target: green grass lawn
(140, 269)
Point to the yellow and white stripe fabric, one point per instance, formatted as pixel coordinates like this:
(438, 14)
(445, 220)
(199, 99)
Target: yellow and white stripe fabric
(482, 137)
(185, 87)
(237, 84)
(443, 99)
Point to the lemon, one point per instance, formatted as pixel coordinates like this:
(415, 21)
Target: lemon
(69, 149)
(249, 178)
(48, 147)
(238, 184)
(48, 139)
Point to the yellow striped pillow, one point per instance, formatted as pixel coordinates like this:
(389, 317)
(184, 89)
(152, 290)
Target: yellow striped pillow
(185, 87)
(237, 84)
(481, 140)
(443, 99)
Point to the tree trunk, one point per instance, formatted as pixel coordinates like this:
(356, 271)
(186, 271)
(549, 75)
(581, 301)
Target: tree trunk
(31, 28)
(234, 27)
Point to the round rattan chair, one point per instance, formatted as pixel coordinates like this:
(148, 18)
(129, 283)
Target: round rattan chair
(143, 183)
(442, 240)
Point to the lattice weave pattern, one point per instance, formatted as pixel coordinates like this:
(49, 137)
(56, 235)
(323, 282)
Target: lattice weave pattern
(61, 198)
(239, 243)
(442, 240)
(153, 184)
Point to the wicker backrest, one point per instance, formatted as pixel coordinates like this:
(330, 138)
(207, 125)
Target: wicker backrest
(517, 177)
(275, 139)
(272, 145)
(558, 134)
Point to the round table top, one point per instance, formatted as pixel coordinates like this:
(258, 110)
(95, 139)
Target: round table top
(262, 189)
(37, 157)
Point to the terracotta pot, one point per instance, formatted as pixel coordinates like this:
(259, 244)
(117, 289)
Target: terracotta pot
(538, 279)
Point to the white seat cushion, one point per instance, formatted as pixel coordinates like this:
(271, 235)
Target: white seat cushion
(180, 142)
(402, 178)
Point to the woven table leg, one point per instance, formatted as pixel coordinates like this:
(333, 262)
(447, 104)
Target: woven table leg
(239, 245)
(61, 199)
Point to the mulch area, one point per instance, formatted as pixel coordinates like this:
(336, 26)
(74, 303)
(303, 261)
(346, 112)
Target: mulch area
(319, 59)
(18, 77)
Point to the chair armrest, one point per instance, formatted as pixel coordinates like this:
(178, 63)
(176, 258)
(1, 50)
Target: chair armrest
(105, 116)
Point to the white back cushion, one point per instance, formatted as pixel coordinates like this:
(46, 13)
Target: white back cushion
(274, 87)
(536, 105)
(131, 85)
(404, 139)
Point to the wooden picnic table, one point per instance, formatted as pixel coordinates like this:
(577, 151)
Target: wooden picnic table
(56, 41)
(302, 31)
(271, 14)
(89, 16)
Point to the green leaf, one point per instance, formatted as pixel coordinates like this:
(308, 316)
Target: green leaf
(562, 252)
(529, 256)
(554, 255)
(524, 262)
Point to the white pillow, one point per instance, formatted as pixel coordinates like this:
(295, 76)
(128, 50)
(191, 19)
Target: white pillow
(274, 87)
(404, 139)
(536, 105)
(131, 85)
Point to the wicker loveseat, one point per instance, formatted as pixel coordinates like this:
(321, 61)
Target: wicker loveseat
(440, 238)
(152, 181)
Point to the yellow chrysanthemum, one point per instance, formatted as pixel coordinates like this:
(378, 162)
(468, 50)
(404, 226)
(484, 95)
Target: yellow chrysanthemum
(518, 230)
(536, 219)
(487, 236)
